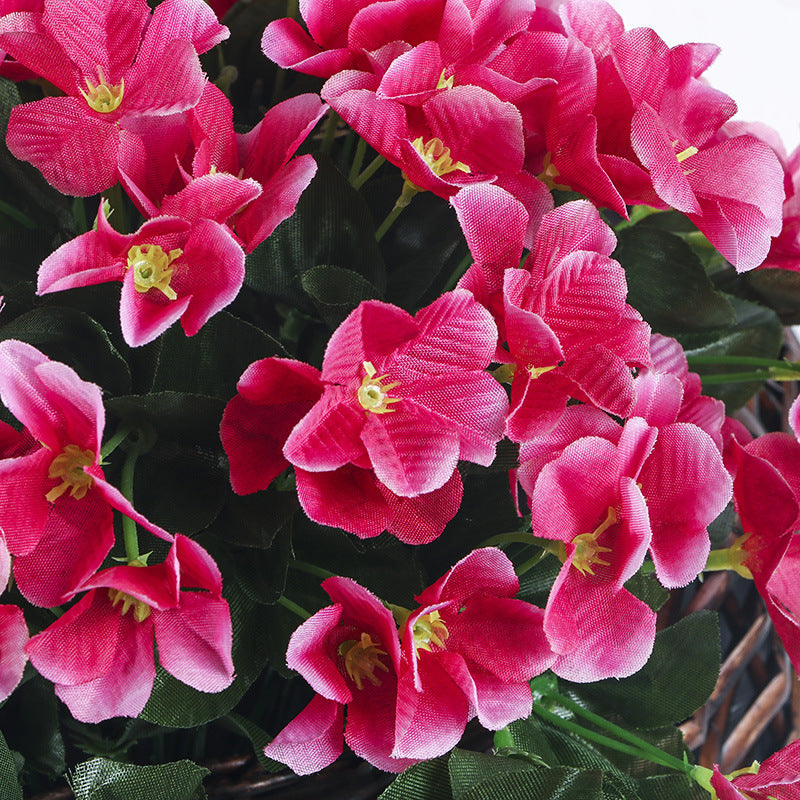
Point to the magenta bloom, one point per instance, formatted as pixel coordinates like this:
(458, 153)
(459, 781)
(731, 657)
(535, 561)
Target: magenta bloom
(13, 630)
(260, 158)
(563, 316)
(407, 397)
(778, 778)
(116, 67)
(171, 268)
(412, 79)
(766, 491)
(656, 128)
(470, 649)
(100, 656)
(588, 499)
(55, 505)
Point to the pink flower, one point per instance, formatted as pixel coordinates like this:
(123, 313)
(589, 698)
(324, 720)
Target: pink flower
(766, 490)
(286, 411)
(778, 778)
(55, 506)
(412, 80)
(569, 330)
(13, 631)
(656, 127)
(100, 656)
(407, 397)
(469, 649)
(171, 268)
(260, 157)
(13, 637)
(588, 499)
(115, 68)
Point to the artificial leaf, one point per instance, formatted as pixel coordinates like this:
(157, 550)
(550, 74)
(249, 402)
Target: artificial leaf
(101, 779)
(675, 682)
(668, 285)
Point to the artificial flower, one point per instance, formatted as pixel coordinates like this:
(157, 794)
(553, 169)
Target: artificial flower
(99, 653)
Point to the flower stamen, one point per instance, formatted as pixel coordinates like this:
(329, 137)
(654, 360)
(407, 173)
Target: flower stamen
(437, 157)
(361, 659)
(68, 465)
(587, 550)
(141, 611)
(372, 394)
(151, 268)
(429, 631)
(104, 97)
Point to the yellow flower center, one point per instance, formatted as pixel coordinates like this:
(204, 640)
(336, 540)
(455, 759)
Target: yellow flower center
(104, 97)
(437, 156)
(372, 394)
(429, 631)
(361, 658)
(445, 83)
(587, 548)
(151, 268)
(68, 465)
(141, 611)
(549, 174)
(535, 372)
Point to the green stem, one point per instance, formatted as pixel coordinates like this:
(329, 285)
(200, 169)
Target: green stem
(664, 759)
(407, 194)
(79, 212)
(114, 442)
(330, 131)
(388, 222)
(754, 361)
(529, 564)
(293, 607)
(459, 272)
(653, 753)
(736, 377)
(126, 487)
(311, 569)
(17, 215)
(368, 172)
(358, 160)
(520, 537)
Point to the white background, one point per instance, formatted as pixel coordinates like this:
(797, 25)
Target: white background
(759, 66)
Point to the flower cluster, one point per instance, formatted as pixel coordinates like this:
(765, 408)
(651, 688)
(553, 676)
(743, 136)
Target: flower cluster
(411, 679)
(530, 366)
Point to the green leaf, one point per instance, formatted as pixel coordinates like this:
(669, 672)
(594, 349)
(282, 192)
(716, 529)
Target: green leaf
(10, 788)
(778, 289)
(212, 361)
(74, 338)
(254, 520)
(259, 739)
(262, 573)
(30, 718)
(674, 683)
(561, 783)
(331, 225)
(468, 769)
(175, 705)
(428, 780)
(424, 247)
(668, 285)
(100, 779)
(336, 292)
(648, 590)
(670, 787)
(180, 482)
(756, 332)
